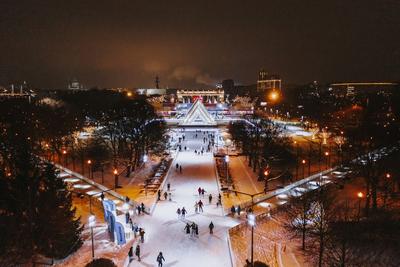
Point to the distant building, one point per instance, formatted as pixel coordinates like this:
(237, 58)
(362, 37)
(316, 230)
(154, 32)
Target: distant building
(75, 85)
(268, 82)
(356, 89)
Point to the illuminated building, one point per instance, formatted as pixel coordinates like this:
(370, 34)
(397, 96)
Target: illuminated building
(268, 82)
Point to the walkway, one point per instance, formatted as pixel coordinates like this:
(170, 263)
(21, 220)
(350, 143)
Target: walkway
(165, 232)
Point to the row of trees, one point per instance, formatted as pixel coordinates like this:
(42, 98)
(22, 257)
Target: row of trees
(125, 129)
(333, 233)
(261, 141)
(36, 214)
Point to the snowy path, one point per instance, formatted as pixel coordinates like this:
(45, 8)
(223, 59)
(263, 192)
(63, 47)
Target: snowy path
(165, 232)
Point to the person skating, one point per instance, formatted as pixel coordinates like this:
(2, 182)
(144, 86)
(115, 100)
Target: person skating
(177, 166)
(159, 195)
(137, 252)
(165, 195)
(170, 196)
(196, 207)
(199, 190)
(196, 229)
(203, 191)
(160, 259)
(139, 210)
(180, 168)
(239, 210)
(233, 210)
(142, 207)
(187, 228)
(168, 186)
(193, 229)
(200, 206)
(130, 254)
(209, 199)
(178, 211)
(211, 227)
(141, 233)
(184, 212)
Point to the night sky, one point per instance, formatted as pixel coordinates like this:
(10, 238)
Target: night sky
(197, 43)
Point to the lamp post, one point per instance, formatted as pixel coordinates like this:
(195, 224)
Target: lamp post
(360, 195)
(115, 178)
(251, 219)
(227, 168)
(92, 222)
(303, 162)
(64, 152)
(89, 162)
(327, 159)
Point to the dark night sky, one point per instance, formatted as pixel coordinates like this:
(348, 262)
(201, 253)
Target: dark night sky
(193, 43)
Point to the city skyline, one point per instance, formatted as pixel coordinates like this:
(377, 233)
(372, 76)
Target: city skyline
(195, 45)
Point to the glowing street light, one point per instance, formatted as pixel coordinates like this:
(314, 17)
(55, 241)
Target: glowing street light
(251, 219)
(89, 162)
(360, 196)
(274, 95)
(227, 168)
(64, 152)
(303, 162)
(92, 223)
(115, 179)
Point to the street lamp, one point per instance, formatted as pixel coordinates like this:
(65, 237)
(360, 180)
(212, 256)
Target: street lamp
(303, 162)
(89, 162)
(327, 158)
(227, 168)
(251, 219)
(64, 152)
(92, 222)
(115, 178)
(360, 195)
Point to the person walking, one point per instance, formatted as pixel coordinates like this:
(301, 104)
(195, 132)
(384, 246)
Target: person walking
(193, 229)
(239, 210)
(160, 259)
(178, 211)
(137, 252)
(130, 254)
(209, 199)
(142, 207)
(200, 206)
(211, 227)
(141, 233)
(165, 195)
(187, 228)
(233, 210)
(184, 212)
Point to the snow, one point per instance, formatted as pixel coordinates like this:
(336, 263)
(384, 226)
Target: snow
(165, 232)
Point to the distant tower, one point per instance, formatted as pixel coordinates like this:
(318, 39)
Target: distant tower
(157, 82)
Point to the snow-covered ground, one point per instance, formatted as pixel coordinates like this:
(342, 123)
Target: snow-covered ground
(165, 232)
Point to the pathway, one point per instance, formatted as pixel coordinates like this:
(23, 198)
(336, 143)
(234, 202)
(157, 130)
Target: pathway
(165, 232)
